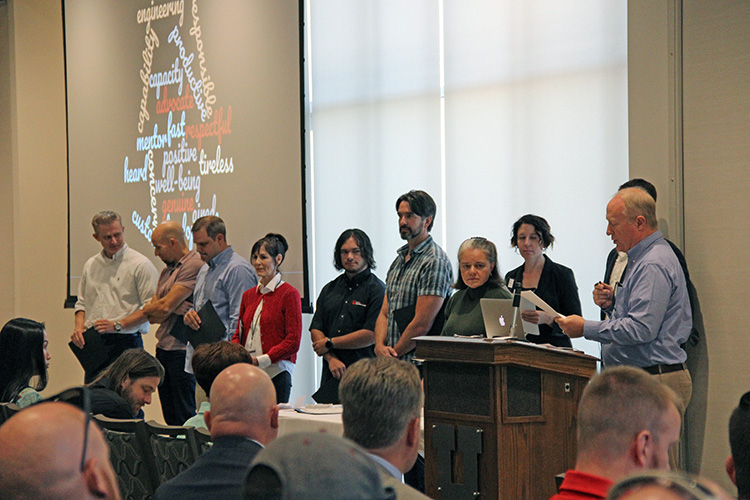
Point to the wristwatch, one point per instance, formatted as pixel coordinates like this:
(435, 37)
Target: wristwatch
(118, 326)
(329, 344)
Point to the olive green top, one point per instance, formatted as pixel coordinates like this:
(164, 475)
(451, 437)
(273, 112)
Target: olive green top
(463, 316)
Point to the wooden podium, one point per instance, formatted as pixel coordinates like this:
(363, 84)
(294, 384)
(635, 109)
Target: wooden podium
(500, 416)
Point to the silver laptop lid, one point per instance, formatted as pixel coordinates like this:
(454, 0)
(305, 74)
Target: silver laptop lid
(498, 316)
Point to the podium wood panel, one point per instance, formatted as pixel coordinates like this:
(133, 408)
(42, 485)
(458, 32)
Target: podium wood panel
(516, 402)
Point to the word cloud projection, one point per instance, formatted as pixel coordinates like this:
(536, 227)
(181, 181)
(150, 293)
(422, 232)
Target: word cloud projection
(185, 108)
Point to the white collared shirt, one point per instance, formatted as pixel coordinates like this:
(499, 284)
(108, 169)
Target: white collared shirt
(389, 467)
(253, 342)
(115, 288)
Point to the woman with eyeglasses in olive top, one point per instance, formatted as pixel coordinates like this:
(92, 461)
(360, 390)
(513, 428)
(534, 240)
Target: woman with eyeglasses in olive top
(270, 325)
(552, 282)
(24, 360)
(478, 277)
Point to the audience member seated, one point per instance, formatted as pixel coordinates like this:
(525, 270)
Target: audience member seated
(315, 466)
(270, 324)
(664, 485)
(125, 387)
(24, 361)
(553, 283)
(382, 402)
(208, 361)
(45, 456)
(478, 277)
(738, 464)
(243, 418)
(627, 422)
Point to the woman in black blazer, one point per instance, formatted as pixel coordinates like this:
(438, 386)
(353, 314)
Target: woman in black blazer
(553, 283)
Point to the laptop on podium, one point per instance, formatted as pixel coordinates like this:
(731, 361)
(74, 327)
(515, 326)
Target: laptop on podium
(498, 317)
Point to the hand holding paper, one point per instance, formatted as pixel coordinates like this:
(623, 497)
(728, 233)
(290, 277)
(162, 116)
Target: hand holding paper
(534, 299)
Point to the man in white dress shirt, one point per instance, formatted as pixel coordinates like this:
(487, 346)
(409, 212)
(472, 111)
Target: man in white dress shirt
(115, 284)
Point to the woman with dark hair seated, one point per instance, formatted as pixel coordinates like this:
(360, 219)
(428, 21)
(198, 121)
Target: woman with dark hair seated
(553, 283)
(24, 360)
(478, 277)
(270, 324)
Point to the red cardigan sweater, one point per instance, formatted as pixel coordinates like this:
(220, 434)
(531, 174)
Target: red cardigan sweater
(280, 321)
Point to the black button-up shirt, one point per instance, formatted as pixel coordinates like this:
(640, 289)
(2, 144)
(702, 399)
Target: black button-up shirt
(345, 306)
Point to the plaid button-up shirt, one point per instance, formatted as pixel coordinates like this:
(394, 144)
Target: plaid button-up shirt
(428, 272)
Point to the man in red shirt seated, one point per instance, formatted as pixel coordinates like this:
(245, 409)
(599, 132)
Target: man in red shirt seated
(627, 422)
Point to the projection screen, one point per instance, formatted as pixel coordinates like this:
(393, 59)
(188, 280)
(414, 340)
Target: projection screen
(179, 109)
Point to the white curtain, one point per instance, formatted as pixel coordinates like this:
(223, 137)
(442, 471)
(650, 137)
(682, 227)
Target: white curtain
(497, 108)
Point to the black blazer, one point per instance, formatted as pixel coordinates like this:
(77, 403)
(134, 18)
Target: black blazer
(557, 287)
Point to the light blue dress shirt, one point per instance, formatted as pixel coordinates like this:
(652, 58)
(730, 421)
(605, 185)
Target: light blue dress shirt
(651, 316)
(223, 281)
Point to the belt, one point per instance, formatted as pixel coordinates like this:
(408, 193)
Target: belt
(657, 369)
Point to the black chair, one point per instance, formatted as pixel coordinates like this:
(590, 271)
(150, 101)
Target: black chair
(174, 447)
(203, 438)
(74, 396)
(7, 410)
(558, 480)
(131, 456)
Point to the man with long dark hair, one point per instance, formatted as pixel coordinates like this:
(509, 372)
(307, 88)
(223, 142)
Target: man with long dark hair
(343, 328)
(125, 387)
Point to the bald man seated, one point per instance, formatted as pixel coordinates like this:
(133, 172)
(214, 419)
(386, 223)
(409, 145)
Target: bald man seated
(243, 418)
(42, 456)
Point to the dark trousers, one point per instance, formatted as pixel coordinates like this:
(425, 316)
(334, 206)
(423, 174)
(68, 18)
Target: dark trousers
(177, 392)
(283, 385)
(116, 344)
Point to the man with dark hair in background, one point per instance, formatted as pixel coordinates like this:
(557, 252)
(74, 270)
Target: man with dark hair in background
(115, 284)
(417, 283)
(208, 361)
(343, 327)
(173, 298)
(223, 280)
(416, 288)
(738, 463)
(125, 387)
(627, 422)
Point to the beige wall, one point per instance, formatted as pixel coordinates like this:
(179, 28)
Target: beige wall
(7, 281)
(689, 90)
(38, 168)
(716, 114)
(36, 252)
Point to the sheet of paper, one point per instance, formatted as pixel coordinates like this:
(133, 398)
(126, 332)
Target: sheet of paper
(321, 409)
(534, 299)
(527, 305)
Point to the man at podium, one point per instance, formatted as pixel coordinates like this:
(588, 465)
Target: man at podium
(650, 316)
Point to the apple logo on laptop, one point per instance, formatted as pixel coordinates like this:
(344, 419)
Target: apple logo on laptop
(502, 320)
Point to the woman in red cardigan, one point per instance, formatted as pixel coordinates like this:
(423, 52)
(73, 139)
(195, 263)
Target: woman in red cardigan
(270, 324)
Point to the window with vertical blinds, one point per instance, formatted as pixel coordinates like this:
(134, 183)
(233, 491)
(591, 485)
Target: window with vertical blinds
(497, 108)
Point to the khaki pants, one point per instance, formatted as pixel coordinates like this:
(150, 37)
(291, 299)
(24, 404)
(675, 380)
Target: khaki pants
(682, 384)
